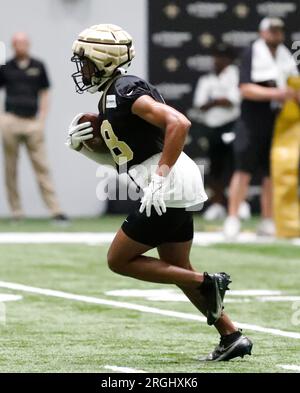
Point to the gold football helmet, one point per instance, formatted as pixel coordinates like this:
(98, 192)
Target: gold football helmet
(99, 52)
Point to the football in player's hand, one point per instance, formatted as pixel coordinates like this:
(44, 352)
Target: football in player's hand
(96, 144)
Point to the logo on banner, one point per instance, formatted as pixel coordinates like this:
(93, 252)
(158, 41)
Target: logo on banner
(174, 91)
(171, 39)
(171, 64)
(239, 38)
(271, 8)
(172, 11)
(200, 63)
(241, 10)
(206, 40)
(206, 10)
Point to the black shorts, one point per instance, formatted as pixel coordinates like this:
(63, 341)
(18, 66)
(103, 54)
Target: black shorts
(176, 225)
(220, 154)
(252, 146)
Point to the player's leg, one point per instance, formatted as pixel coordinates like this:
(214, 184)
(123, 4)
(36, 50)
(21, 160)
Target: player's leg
(140, 233)
(125, 257)
(232, 343)
(178, 254)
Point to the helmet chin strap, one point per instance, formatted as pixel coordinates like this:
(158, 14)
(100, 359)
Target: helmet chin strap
(93, 89)
(99, 82)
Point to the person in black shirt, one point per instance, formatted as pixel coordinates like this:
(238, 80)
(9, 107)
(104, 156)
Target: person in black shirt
(265, 68)
(26, 105)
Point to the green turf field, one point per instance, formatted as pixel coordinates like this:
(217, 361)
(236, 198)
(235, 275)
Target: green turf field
(104, 223)
(54, 334)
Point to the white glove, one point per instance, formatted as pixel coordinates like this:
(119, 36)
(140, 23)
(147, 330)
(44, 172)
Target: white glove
(153, 196)
(78, 133)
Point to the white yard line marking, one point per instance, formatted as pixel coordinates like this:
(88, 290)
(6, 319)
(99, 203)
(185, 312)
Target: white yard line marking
(172, 295)
(291, 367)
(124, 369)
(4, 297)
(56, 237)
(254, 292)
(94, 238)
(279, 299)
(138, 307)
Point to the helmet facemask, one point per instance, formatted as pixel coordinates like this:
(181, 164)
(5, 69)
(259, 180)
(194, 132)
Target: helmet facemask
(87, 77)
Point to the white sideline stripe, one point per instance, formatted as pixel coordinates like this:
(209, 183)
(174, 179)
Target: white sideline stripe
(291, 367)
(124, 369)
(93, 238)
(138, 307)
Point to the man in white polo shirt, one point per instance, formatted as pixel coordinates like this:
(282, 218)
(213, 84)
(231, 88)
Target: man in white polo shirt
(217, 97)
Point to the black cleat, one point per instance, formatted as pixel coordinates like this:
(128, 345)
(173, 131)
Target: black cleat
(213, 289)
(232, 346)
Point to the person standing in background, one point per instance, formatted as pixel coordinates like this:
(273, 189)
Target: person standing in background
(218, 99)
(265, 68)
(26, 106)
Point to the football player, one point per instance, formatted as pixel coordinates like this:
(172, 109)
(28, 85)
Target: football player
(146, 137)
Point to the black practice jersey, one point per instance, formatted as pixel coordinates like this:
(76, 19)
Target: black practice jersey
(130, 139)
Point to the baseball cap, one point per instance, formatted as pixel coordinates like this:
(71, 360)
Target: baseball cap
(269, 23)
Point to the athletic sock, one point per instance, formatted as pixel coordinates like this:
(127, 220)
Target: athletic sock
(230, 338)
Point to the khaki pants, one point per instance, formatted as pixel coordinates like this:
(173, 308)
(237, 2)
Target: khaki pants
(17, 130)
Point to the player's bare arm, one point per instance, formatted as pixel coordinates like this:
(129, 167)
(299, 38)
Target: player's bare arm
(175, 124)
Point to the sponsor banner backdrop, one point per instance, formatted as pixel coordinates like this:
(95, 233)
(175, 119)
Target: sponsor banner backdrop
(183, 32)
